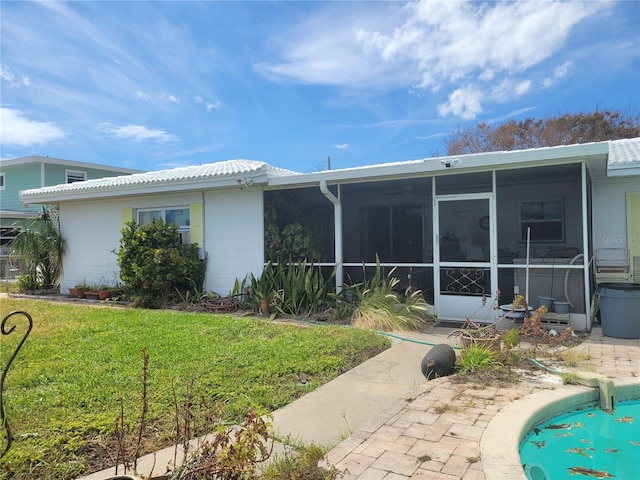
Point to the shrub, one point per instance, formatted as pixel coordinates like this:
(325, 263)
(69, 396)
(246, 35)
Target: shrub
(378, 306)
(300, 466)
(155, 266)
(477, 357)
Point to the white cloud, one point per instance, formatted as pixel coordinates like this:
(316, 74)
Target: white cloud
(508, 89)
(17, 130)
(463, 102)
(341, 146)
(197, 99)
(430, 44)
(6, 73)
(142, 96)
(169, 98)
(522, 87)
(137, 133)
(559, 72)
(212, 106)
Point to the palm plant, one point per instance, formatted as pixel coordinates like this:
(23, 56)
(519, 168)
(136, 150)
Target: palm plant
(42, 247)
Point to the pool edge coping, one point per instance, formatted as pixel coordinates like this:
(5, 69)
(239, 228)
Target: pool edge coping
(499, 445)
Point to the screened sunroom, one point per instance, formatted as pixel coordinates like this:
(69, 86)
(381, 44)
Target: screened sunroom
(469, 240)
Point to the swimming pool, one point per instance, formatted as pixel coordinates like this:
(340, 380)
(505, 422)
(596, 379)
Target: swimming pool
(500, 443)
(588, 442)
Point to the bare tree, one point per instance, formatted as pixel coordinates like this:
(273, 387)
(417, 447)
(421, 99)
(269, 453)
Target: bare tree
(565, 129)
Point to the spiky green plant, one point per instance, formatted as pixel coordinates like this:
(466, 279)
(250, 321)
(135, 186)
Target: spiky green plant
(292, 288)
(476, 357)
(378, 305)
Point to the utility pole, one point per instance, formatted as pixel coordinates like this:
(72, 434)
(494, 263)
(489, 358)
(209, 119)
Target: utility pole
(329, 163)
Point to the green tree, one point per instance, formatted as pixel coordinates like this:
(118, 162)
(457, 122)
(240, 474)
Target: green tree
(155, 266)
(566, 129)
(42, 247)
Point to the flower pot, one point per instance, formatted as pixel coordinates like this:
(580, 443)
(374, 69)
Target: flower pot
(546, 302)
(493, 343)
(76, 292)
(104, 294)
(561, 307)
(92, 295)
(264, 307)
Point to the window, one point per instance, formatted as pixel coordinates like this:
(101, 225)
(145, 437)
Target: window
(2, 181)
(7, 234)
(545, 218)
(178, 216)
(75, 176)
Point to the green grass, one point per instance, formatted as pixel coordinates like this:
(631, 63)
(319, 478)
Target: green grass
(61, 394)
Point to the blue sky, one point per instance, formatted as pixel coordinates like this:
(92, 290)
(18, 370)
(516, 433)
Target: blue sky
(153, 85)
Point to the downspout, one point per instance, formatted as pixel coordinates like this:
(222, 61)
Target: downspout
(337, 219)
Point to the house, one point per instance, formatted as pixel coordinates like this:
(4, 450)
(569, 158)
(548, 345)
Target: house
(35, 172)
(470, 231)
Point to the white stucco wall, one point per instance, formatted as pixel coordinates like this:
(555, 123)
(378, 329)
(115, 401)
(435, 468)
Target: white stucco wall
(233, 223)
(609, 211)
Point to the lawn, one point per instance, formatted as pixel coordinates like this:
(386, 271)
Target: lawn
(61, 394)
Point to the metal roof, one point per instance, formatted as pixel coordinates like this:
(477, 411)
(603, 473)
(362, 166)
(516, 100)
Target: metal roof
(624, 153)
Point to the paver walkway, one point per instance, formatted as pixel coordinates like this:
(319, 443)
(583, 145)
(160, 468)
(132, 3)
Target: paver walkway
(436, 435)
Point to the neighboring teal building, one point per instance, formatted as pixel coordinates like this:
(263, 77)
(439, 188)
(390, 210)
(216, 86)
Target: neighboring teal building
(36, 172)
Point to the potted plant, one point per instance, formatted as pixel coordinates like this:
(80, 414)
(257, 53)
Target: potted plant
(79, 290)
(472, 333)
(104, 291)
(476, 333)
(517, 309)
(91, 293)
(519, 303)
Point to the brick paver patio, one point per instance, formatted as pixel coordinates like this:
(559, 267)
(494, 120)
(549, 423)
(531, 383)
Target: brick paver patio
(436, 435)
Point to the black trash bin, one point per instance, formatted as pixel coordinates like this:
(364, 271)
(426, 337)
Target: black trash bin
(620, 309)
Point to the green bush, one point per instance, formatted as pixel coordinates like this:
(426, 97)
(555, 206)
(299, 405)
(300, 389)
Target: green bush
(155, 266)
(478, 357)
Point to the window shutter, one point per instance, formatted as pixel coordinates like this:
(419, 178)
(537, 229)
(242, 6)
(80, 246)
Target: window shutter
(127, 215)
(196, 224)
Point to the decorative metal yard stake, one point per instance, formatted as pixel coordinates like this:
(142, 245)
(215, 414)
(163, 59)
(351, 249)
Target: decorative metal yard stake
(7, 331)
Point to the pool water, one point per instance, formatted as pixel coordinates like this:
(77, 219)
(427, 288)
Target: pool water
(585, 443)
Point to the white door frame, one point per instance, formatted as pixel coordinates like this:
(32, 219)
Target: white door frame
(459, 307)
